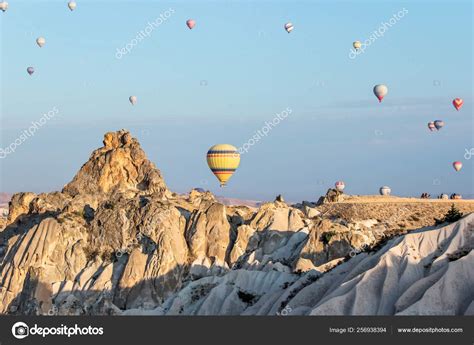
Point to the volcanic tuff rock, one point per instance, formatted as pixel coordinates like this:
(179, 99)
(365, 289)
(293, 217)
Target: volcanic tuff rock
(425, 272)
(116, 241)
(119, 165)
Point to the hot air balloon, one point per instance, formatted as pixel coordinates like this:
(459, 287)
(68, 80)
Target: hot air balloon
(380, 91)
(385, 190)
(457, 165)
(133, 100)
(439, 124)
(289, 27)
(431, 126)
(223, 160)
(340, 186)
(30, 70)
(72, 5)
(357, 45)
(3, 6)
(190, 23)
(40, 41)
(458, 102)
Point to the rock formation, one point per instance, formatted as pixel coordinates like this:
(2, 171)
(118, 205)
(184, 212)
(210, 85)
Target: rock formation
(120, 165)
(117, 241)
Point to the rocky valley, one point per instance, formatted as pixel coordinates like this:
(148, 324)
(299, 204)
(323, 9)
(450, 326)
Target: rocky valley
(117, 241)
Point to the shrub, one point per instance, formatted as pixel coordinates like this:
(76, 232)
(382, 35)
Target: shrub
(91, 253)
(453, 215)
(326, 237)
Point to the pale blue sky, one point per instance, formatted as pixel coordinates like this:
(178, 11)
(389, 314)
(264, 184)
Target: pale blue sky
(221, 81)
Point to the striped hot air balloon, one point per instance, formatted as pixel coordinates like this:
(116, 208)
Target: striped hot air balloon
(457, 165)
(340, 185)
(289, 27)
(190, 23)
(223, 160)
(431, 126)
(3, 6)
(457, 102)
(357, 45)
(380, 91)
(385, 190)
(439, 124)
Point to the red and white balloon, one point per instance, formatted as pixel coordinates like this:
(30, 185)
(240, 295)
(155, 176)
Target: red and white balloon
(191, 23)
(457, 165)
(458, 102)
(340, 185)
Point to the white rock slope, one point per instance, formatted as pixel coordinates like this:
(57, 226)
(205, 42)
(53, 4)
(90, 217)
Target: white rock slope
(424, 272)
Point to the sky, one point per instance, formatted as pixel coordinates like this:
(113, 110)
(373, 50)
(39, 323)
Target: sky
(234, 72)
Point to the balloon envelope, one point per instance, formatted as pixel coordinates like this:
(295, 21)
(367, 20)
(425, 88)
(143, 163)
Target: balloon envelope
(40, 41)
(133, 100)
(30, 70)
(431, 126)
(357, 45)
(458, 102)
(380, 91)
(3, 6)
(439, 124)
(457, 165)
(223, 160)
(385, 190)
(190, 23)
(72, 5)
(340, 185)
(289, 27)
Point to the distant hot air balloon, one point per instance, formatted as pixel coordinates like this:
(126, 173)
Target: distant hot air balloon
(385, 190)
(40, 41)
(223, 160)
(340, 185)
(439, 124)
(380, 91)
(133, 100)
(72, 5)
(357, 45)
(457, 165)
(289, 27)
(190, 23)
(3, 6)
(30, 70)
(458, 102)
(431, 126)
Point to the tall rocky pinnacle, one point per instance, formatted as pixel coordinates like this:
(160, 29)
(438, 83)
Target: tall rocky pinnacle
(117, 242)
(119, 165)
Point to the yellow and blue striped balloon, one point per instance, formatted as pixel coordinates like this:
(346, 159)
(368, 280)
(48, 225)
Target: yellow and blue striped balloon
(223, 160)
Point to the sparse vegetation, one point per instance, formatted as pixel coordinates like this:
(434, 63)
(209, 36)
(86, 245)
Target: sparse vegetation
(453, 215)
(200, 291)
(459, 254)
(247, 297)
(326, 237)
(80, 214)
(109, 205)
(91, 253)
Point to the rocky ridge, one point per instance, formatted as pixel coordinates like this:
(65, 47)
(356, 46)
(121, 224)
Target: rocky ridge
(117, 241)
